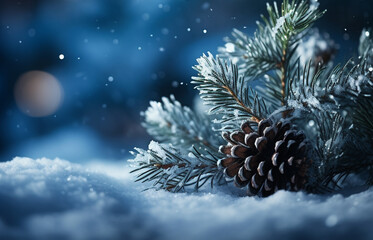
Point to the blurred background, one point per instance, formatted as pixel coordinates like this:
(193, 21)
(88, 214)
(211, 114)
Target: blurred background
(74, 75)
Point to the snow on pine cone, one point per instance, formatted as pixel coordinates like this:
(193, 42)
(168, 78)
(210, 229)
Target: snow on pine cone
(270, 159)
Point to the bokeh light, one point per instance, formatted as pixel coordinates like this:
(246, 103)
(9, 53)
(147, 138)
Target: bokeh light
(38, 93)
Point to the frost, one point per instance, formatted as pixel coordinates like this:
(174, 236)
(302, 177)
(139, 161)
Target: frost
(156, 114)
(191, 155)
(170, 122)
(313, 45)
(278, 25)
(235, 60)
(309, 100)
(280, 22)
(156, 147)
(236, 113)
(229, 47)
(356, 84)
(312, 101)
(328, 144)
(314, 4)
(338, 89)
(208, 66)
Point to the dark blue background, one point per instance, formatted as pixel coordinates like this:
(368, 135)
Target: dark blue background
(144, 45)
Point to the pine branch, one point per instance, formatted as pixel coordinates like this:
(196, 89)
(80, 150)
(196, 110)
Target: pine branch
(363, 118)
(221, 87)
(273, 45)
(356, 159)
(328, 149)
(333, 106)
(295, 18)
(169, 122)
(255, 56)
(345, 146)
(308, 88)
(170, 170)
(324, 88)
(361, 104)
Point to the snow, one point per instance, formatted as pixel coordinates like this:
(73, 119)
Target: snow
(309, 99)
(278, 25)
(280, 22)
(356, 84)
(56, 199)
(314, 4)
(210, 66)
(229, 47)
(155, 113)
(156, 147)
(314, 43)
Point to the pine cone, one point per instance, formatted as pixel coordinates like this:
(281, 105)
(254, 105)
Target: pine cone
(267, 160)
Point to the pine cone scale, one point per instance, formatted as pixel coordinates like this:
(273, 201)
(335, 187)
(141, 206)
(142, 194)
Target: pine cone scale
(251, 162)
(237, 136)
(245, 127)
(257, 181)
(239, 183)
(232, 169)
(226, 162)
(244, 175)
(250, 139)
(240, 151)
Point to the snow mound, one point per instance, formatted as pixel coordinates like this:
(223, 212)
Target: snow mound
(55, 199)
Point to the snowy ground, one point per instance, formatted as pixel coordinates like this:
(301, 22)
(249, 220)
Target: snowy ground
(55, 199)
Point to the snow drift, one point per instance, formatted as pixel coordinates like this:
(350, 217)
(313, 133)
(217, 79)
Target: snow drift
(55, 199)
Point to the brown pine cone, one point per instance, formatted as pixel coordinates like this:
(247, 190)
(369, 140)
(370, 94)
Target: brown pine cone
(270, 159)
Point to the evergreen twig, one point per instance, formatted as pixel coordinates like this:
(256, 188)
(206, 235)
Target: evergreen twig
(273, 45)
(339, 100)
(170, 170)
(170, 122)
(221, 86)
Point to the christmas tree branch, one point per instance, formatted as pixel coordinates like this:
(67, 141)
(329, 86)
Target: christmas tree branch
(273, 45)
(169, 122)
(323, 88)
(363, 117)
(345, 144)
(328, 147)
(332, 107)
(283, 76)
(221, 87)
(170, 170)
(248, 110)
